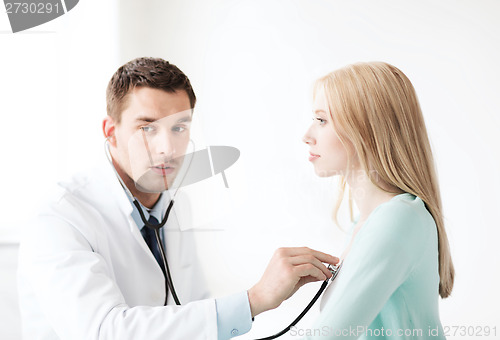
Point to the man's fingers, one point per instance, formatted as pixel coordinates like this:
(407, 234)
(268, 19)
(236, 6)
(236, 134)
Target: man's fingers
(308, 279)
(304, 259)
(308, 269)
(298, 251)
(289, 269)
(323, 257)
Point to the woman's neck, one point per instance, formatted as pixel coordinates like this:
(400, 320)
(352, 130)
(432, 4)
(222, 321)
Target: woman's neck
(367, 195)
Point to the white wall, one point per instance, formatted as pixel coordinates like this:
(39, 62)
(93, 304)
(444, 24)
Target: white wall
(52, 99)
(252, 64)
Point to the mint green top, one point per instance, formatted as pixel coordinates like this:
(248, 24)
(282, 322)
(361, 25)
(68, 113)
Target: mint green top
(388, 286)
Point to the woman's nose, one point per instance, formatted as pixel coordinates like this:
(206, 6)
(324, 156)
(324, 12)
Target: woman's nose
(308, 139)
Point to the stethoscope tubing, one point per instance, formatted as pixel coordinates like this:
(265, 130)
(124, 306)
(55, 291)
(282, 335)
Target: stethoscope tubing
(335, 272)
(168, 277)
(156, 227)
(145, 221)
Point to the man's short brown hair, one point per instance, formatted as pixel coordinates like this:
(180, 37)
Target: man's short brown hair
(155, 73)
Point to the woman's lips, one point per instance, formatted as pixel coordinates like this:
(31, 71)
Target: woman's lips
(312, 157)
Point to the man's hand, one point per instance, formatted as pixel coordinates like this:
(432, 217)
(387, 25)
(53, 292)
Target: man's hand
(288, 270)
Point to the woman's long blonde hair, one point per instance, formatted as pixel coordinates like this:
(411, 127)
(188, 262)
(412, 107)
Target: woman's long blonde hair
(375, 111)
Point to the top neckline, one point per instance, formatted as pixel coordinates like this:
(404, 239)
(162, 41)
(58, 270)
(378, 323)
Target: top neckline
(376, 208)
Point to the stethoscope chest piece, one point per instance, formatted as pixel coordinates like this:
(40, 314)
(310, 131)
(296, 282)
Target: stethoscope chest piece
(335, 270)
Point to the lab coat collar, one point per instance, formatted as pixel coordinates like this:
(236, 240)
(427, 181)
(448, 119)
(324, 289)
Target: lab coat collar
(115, 196)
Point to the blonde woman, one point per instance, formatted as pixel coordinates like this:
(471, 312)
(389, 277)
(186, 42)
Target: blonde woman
(369, 130)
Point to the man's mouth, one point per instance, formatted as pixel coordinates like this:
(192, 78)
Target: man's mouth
(163, 169)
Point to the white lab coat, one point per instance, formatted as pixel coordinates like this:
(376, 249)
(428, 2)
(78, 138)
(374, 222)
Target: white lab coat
(85, 271)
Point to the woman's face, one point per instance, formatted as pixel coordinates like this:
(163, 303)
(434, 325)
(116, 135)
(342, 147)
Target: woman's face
(327, 153)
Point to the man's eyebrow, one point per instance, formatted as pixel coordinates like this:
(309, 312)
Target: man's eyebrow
(185, 119)
(147, 119)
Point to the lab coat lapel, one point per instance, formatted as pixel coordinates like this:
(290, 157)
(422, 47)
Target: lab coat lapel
(119, 202)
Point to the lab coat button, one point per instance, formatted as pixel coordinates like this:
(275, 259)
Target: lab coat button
(234, 332)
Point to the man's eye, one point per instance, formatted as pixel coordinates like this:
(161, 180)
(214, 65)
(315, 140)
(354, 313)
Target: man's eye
(147, 128)
(178, 128)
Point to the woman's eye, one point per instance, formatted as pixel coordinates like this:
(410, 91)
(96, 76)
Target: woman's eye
(321, 120)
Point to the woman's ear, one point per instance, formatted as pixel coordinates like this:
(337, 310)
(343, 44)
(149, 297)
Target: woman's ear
(108, 128)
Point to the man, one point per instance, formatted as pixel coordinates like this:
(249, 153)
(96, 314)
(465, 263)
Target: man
(90, 268)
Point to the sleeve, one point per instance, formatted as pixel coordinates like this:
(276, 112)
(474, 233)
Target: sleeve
(233, 315)
(384, 254)
(74, 288)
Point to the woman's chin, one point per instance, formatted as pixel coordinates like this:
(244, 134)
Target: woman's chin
(325, 173)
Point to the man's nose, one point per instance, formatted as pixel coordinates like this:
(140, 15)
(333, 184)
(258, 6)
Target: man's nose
(163, 144)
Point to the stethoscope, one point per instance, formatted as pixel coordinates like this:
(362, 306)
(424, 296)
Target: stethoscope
(168, 278)
(156, 227)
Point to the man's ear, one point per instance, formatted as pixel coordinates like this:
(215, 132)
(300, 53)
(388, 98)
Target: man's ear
(108, 128)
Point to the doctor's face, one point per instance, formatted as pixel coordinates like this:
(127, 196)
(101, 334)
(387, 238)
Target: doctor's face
(152, 138)
(326, 151)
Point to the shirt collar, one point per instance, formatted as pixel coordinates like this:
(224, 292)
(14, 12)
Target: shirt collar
(158, 210)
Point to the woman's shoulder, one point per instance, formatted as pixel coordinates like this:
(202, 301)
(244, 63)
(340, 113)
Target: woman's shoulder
(403, 206)
(404, 216)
